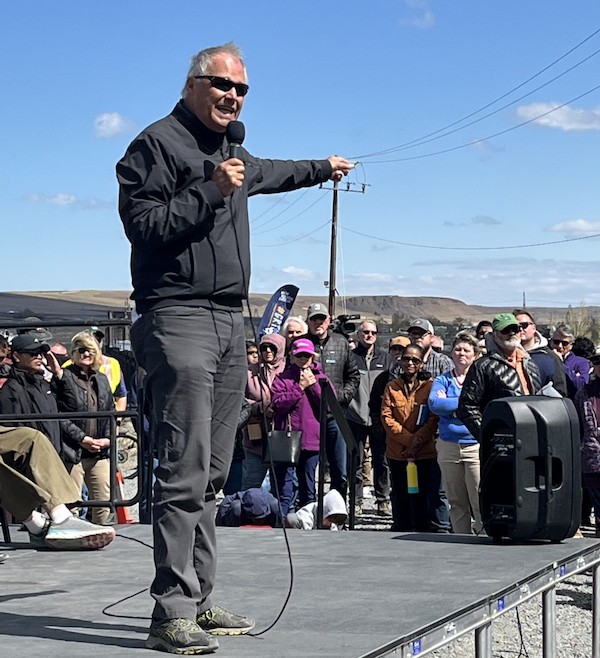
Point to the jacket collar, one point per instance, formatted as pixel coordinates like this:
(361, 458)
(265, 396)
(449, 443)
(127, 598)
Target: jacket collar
(208, 140)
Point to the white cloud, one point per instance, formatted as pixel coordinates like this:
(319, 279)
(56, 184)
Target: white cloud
(300, 273)
(111, 124)
(566, 118)
(479, 220)
(64, 200)
(423, 17)
(577, 227)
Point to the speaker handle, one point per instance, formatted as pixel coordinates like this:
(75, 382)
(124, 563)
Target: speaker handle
(548, 465)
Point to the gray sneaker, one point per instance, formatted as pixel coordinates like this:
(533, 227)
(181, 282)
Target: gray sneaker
(217, 621)
(76, 534)
(181, 636)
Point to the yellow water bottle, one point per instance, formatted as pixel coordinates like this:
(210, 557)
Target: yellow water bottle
(412, 477)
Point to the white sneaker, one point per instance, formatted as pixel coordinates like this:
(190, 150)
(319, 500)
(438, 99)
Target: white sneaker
(76, 534)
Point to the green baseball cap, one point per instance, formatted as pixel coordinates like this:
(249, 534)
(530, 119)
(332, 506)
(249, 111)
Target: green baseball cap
(503, 320)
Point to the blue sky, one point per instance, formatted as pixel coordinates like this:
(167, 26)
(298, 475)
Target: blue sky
(81, 79)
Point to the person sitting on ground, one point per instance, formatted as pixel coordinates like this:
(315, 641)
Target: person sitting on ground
(93, 393)
(32, 476)
(334, 513)
(252, 507)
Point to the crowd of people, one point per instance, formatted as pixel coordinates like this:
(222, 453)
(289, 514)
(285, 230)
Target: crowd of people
(410, 403)
(51, 459)
(407, 402)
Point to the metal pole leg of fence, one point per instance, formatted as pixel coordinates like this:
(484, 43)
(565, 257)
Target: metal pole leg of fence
(596, 612)
(483, 641)
(549, 622)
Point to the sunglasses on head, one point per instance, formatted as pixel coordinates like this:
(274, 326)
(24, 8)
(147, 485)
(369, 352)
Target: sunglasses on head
(557, 342)
(223, 84)
(411, 359)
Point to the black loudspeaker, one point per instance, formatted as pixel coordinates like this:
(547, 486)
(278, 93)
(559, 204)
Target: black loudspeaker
(530, 484)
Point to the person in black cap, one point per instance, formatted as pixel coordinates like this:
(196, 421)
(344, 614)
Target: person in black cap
(27, 392)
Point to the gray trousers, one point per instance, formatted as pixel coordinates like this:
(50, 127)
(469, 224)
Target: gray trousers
(195, 363)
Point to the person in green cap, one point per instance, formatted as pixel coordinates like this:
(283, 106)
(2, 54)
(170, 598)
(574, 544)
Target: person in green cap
(506, 370)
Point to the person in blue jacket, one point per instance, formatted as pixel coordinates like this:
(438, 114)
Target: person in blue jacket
(457, 450)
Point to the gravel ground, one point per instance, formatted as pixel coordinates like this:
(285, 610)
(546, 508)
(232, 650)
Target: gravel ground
(515, 634)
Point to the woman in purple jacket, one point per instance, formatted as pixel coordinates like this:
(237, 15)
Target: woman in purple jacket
(295, 399)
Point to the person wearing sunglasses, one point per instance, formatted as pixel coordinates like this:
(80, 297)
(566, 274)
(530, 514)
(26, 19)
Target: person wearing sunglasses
(371, 360)
(89, 448)
(577, 368)
(506, 370)
(551, 366)
(258, 394)
(27, 391)
(184, 188)
(410, 436)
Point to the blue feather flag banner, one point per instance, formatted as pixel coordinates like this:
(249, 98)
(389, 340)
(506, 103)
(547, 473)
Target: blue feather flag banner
(277, 310)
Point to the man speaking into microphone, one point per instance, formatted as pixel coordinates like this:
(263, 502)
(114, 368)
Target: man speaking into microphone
(184, 187)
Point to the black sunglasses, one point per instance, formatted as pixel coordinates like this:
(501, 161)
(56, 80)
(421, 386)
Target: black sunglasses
(411, 359)
(524, 325)
(511, 329)
(369, 332)
(564, 343)
(223, 84)
(83, 350)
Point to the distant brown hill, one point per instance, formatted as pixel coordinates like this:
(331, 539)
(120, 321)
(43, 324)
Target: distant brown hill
(376, 306)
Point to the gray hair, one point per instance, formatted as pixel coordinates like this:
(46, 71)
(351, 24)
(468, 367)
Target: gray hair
(298, 320)
(200, 62)
(564, 330)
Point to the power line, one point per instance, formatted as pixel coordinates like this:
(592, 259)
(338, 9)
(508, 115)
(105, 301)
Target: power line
(443, 248)
(314, 203)
(268, 210)
(417, 143)
(484, 107)
(272, 219)
(306, 235)
(488, 137)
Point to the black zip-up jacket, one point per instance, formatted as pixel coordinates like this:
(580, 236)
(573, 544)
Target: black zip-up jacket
(339, 364)
(369, 369)
(27, 393)
(190, 245)
(92, 393)
(489, 378)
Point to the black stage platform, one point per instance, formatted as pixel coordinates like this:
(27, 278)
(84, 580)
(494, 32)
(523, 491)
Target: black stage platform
(354, 592)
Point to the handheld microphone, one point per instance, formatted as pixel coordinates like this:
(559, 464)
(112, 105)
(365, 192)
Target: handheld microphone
(235, 134)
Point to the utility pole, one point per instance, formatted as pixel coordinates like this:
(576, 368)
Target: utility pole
(333, 246)
(333, 251)
(524, 302)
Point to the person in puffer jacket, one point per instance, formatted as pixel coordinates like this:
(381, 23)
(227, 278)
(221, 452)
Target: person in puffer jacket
(506, 370)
